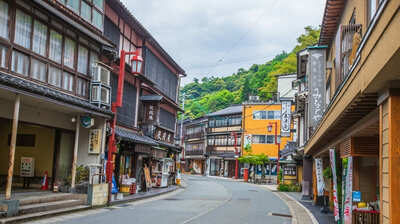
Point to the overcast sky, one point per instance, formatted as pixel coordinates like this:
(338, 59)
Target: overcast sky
(217, 37)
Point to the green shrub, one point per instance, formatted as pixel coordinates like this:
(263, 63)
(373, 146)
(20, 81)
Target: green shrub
(289, 187)
(283, 187)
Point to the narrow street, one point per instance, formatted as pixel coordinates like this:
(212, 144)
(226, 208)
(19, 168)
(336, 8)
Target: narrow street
(204, 200)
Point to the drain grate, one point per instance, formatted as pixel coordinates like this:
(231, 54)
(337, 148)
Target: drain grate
(279, 214)
(124, 205)
(172, 199)
(253, 190)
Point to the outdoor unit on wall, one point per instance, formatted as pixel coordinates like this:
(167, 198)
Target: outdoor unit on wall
(100, 89)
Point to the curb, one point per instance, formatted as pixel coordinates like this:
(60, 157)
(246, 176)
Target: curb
(314, 220)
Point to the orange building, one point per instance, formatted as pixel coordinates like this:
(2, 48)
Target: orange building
(257, 136)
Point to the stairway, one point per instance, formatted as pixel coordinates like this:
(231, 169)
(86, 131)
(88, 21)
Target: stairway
(48, 205)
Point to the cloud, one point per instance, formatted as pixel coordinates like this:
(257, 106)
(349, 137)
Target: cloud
(216, 37)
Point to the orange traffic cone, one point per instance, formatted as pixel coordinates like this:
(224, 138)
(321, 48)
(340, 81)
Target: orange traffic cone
(45, 183)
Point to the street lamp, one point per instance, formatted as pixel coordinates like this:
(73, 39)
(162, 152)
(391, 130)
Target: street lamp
(136, 66)
(269, 127)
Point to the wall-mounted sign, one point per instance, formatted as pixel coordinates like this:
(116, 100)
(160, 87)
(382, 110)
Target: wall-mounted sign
(286, 118)
(94, 140)
(87, 122)
(27, 167)
(356, 196)
(290, 170)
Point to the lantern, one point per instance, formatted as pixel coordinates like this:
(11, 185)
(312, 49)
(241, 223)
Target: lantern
(136, 64)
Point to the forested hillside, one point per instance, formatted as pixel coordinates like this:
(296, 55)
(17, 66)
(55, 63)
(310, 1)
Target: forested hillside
(214, 93)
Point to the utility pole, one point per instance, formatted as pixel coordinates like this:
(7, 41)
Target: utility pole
(182, 119)
(236, 156)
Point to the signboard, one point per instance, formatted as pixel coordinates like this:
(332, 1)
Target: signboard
(286, 118)
(289, 170)
(348, 202)
(247, 141)
(356, 196)
(320, 178)
(27, 167)
(316, 98)
(332, 157)
(94, 140)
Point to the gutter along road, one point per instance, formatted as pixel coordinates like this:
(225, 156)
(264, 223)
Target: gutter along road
(204, 200)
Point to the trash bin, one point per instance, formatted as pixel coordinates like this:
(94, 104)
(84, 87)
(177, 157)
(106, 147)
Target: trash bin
(246, 174)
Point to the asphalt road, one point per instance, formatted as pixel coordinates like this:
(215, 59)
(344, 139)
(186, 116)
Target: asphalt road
(204, 200)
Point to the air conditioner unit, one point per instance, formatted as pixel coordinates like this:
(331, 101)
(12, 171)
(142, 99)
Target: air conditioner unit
(254, 98)
(100, 74)
(100, 89)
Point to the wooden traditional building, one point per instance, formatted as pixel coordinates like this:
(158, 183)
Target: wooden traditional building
(223, 127)
(361, 85)
(146, 122)
(195, 142)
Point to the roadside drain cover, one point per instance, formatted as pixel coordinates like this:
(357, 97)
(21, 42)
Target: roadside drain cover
(253, 190)
(172, 199)
(124, 205)
(279, 214)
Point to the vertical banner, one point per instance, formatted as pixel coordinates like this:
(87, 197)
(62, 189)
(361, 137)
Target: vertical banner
(334, 177)
(286, 118)
(320, 178)
(347, 212)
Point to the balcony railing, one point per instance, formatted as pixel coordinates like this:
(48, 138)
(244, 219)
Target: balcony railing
(194, 135)
(194, 152)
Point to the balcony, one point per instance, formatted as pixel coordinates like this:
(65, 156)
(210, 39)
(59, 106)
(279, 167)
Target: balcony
(194, 152)
(199, 135)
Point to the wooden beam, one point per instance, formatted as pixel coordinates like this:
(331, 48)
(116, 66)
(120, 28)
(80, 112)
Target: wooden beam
(13, 142)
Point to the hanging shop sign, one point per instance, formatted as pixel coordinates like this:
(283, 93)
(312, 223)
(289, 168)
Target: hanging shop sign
(87, 122)
(335, 194)
(247, 141)
(27, 167)
(347, 212)
(94, 141)
(320, 178)
(286, 118)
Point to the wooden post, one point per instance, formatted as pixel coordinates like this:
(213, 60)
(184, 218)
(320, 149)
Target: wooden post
(12, 147)
(73, 173)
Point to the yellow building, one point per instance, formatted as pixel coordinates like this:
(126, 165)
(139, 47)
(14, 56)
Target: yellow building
(256, 133)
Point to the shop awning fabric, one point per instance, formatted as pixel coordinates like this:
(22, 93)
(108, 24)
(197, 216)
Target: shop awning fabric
(133, 137)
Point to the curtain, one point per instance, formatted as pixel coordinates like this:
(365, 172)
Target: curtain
(38, 70)
(3, 19)
(81, 87)
(69, 52)
(20, 63)
(23, 29)
(3, 54)
(97, 19)
(54, 76)
(55, 46)
(94, 57)
(39, 38)
(83, 55)
(85, 11)
(68, 81)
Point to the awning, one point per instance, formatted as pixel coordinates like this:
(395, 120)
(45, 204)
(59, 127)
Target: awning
(151, 98)
(134, 137)
(171, 147)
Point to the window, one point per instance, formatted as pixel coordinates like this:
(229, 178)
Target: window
(81, 88)
(94, 57)
(38, 70)
(98, 4)
(264, 115)
(68, 81)
(73, 4)
(39, 38)
(20, 63)
(85, 11)
(24, 140)
(3, 19)
(3, 56)
(55, 46)
(55, 76)
(97, 19)
(69, 52)
(263, 139)
(83, 55)
(23, 29)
